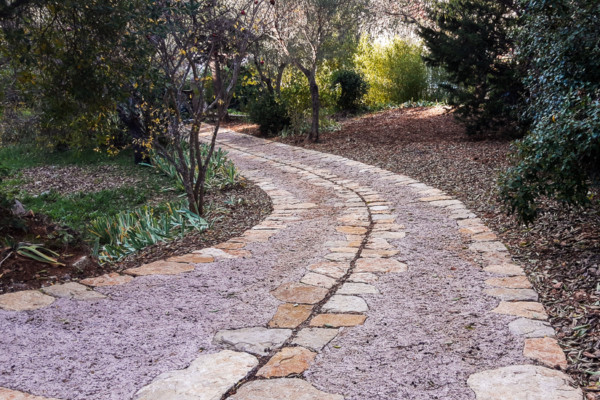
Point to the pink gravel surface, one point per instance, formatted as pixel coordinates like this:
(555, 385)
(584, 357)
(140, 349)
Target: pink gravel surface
(425, 334)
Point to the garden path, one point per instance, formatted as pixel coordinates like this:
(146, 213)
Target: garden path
(362, 284)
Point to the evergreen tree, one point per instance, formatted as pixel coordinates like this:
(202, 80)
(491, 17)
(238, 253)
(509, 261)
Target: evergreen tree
(471, 40)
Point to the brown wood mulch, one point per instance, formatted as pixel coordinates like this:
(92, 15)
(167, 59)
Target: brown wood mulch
(560, 252)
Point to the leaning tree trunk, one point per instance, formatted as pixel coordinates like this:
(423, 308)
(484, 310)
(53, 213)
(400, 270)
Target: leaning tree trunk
(316, 105)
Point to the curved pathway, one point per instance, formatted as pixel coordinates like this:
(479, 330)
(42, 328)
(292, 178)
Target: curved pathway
(362, 284)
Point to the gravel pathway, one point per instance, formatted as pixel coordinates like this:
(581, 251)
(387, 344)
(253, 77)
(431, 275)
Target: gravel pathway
(362, 284)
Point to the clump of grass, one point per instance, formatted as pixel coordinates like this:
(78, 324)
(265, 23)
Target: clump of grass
(131, 231)
(220, 174)
(21, 156)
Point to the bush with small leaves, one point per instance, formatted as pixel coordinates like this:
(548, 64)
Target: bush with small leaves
(352, 88)
(560, 156)
(270, 114)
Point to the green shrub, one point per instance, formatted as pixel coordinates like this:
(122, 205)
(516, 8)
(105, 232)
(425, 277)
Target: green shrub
(220, 173)
(270, 114)
(394, 71)
(7, 220)
(295, 93)
(560, 156)
(352, 87)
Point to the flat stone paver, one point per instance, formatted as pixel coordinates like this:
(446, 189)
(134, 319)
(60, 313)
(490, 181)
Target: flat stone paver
(73, 291)
(259, 341)
(112, 279)
(214, 253)
(290, 315)
(25, 300)
(389, 235)
(352, 230)
(527, 309)
(315, 338)
(337, 320)
(523, 382)
(160, 268)
(545, 350)
(318, 280)
(331, 269)
(505, 269)
(357, 288)
(512, 282)
(345, 304)
(7, 394)
(487, 247)
(208, 378)
(287, 361)
(192, 258)
(363, 277)
(299, 293)
(282, 389)
(531, 328)
(506, 294)
(380, 266)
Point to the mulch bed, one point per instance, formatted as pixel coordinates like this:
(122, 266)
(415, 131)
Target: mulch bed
(560, 252)
(21, 273)
(74, 179)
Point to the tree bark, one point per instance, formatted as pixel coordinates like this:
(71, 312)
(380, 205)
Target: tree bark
(279, 78)
(316, 105)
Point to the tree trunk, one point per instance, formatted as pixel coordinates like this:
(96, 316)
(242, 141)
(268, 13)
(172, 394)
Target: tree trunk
(137, 132)
(316, 105)
(279, 78)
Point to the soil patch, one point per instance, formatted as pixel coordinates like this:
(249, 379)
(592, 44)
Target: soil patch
(18, 272)
(561, 252)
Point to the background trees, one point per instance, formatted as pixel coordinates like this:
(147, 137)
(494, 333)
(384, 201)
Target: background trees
(395, 71)
(107, 73)
(153, 67)
(309, 32)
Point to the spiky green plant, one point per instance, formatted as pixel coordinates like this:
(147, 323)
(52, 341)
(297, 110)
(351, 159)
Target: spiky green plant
(221, 172)
(129, 232)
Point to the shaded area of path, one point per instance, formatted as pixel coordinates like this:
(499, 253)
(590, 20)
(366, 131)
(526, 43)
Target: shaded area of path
(422, 263)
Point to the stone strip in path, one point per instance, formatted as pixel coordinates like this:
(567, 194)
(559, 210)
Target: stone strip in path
(334, 294)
